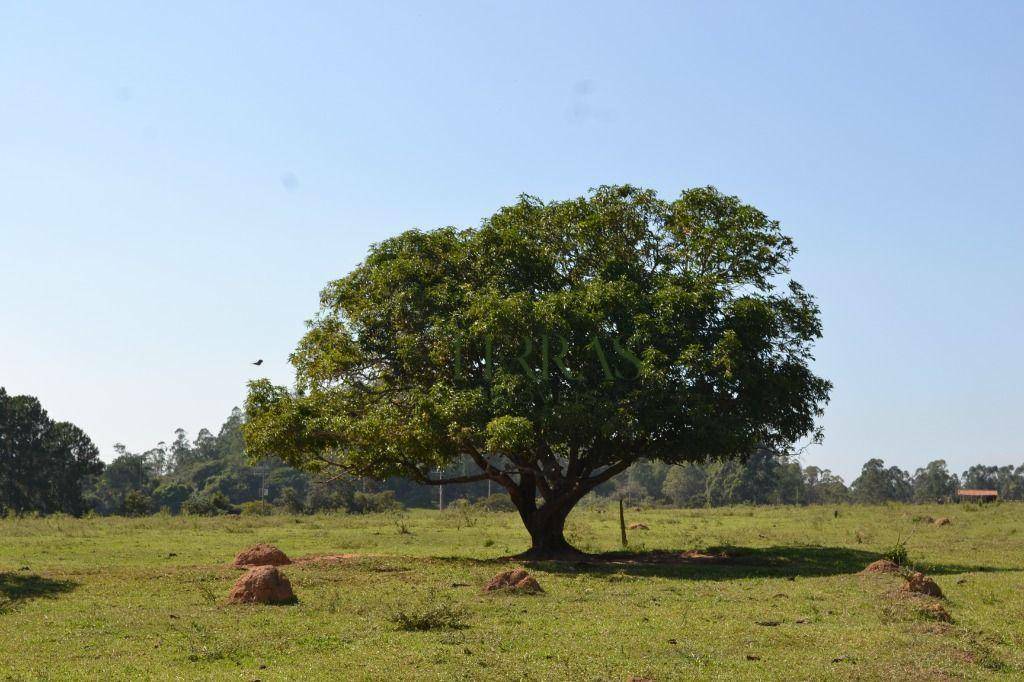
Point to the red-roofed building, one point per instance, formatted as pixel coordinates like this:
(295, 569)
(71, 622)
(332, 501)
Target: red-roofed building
(978, 495)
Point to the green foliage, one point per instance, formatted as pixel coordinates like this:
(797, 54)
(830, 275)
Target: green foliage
(495, 503)
(330, 497)
(137, 503)
(109, 585)
(171, 495)
(291, 500)
(556, 345)
(209, 505)
(897, 553)
(428, 614)
(43, 464)
(686, 485)
(934, 483)
(1007, 480)
(256, 508)
(877, 484)
(366, 503)
(821, 486)
(461, 513)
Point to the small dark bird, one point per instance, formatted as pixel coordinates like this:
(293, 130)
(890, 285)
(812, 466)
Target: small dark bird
(258, 362)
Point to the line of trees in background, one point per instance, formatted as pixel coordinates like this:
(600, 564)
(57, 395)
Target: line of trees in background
(48, 467)
(766, 478)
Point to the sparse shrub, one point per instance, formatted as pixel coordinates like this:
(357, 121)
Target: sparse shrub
(429, 615)
(461, 513)
(401, 526)
(323, 498)
(897, 553)
(257, 508)
(292, 501)
(497, 502)
(204, 646)
(171, 495)
(137, 503)
(366, 503)
(209, 505)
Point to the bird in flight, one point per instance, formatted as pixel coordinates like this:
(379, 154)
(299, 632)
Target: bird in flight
(258, 362)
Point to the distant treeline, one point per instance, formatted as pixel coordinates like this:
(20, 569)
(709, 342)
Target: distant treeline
(48, 466)
(766, 478)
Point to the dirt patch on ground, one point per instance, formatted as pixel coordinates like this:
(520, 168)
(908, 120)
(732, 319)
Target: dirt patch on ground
(882, 566)
(262, 585)
(942, 521)
(514, 580)
(639, 526)
(326, 558)
(919, 583)
(261, 555)
(935, 611)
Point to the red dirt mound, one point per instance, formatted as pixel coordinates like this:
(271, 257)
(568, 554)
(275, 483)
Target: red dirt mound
(921, 584)
(882, 566)
(261, 555)
(639, 526)
(262, 585)
(514, 580)
(942, 521)
(936, 612)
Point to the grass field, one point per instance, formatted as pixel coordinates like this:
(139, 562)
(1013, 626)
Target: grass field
(117, 598)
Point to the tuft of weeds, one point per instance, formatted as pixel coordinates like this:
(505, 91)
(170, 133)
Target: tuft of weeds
(401, 524)
(428, 615)
(897, 553)
(334, 602)
(203, 646)
(205, 588)
(461, 513)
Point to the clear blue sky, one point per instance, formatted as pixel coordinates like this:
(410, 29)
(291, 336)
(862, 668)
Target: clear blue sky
(177, 184)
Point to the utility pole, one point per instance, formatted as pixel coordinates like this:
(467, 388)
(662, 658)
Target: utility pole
(622, 524)
(264, 467)
(440, 492)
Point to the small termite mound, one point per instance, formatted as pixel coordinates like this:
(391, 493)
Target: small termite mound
(262, 585)
(261, 555)
(515, 580)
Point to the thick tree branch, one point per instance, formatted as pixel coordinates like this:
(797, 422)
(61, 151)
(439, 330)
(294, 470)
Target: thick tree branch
(426, 480)
(615, 469)
(497, 475)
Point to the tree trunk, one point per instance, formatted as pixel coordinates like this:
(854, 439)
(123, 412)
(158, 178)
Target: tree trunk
(547, 534)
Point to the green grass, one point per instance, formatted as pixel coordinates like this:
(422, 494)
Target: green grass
(144, 598)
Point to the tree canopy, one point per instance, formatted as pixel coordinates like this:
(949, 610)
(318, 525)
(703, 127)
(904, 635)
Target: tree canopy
(555, 345)
(43, 463)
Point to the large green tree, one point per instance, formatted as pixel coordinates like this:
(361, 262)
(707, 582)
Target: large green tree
(876, 484)
(43, 464)
(554, 345)
(934, 483)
